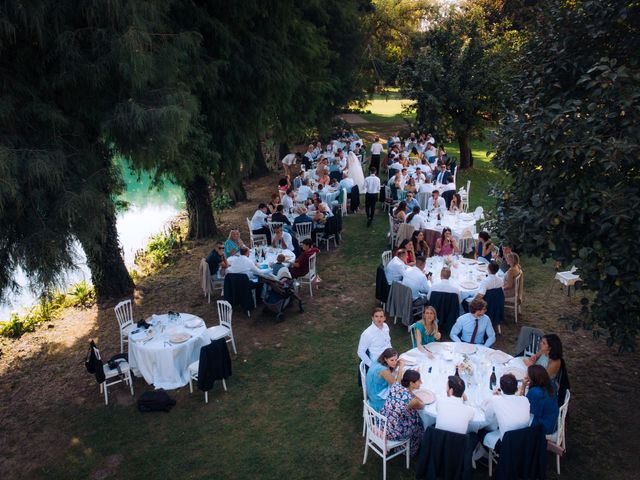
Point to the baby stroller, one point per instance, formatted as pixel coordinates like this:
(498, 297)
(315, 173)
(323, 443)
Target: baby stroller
(279, 293)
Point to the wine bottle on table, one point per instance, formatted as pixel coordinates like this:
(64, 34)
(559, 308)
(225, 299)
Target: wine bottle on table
(457, 373)
(492, 380)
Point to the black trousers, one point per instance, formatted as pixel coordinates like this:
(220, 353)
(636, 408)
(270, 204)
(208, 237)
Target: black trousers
(375, 162)
(370, 200)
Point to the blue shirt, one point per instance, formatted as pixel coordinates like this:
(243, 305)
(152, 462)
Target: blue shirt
(377, 387)
(544, 409)
(464, 326)
(412, 203)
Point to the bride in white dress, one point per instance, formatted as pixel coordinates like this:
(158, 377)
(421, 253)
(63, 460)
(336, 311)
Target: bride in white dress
(355, 171)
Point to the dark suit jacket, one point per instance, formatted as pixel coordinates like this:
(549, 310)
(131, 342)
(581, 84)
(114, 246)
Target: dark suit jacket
(447, 177)
(445, 455)
(215, 364)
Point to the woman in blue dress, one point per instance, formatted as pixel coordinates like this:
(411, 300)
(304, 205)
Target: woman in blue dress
(401, 410)
(542, 397)
(381, 376)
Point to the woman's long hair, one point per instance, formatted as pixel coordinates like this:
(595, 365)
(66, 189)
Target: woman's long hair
(539, 377)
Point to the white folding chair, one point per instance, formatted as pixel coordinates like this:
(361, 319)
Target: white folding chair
(273, 226)
(122, 373)
(303, 230)
(311, 275)
(392, 234)
(514, 302)
(193, 376)
(124, 315)
(363, 378)
(559, 438)
(209, 283)
(256, 239)
(464, 196)
(376, 439)
(533, 346)
(412, 335)
(478, 213)
(324, 238)
(224, 329)
(386, 257)
(345, 198)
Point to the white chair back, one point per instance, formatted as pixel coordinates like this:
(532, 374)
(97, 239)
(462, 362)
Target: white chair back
(272, 227)
(386, 257)
(225, 313)
(376, 428)
(562, 417)
(344, 201)
(412, 335)
(312, 266)
(363, 377)
(387, 193)
(533, 345)
(124, 313)
(303, 230)
(478, 213)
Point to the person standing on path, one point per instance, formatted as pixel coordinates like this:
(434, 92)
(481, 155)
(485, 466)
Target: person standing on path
(376, 152)
(371, 190)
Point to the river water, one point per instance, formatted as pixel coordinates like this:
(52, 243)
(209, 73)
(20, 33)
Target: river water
(148, 212)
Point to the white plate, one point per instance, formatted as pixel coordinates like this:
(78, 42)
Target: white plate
(466, 348)
(468, 261)
(142, 335)
(435, 347)
(179, 337)
(482, 267)
(427, 396)
(195, 323)
(468, 285)
(498, 357)
(516, 372)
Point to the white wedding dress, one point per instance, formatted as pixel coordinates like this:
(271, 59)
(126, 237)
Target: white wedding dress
(355, 171)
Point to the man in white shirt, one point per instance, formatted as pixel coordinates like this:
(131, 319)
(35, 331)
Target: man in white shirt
(376, 152)
(346, 182)
(418, 222)
(282, 239)
(417, 281)
(317, 151)
(288, 200)
(375, 339)
(436, 203)
(259, 222)
(243, 264)
(309, 156)
(304, 192)
(491, 281)
(371, 191)
(396, 166)
(430, 151)
(419, 176)
(453, 415)
(505, 411)
(404, 177)
(444, 285)
(290, 160)
(395, 269)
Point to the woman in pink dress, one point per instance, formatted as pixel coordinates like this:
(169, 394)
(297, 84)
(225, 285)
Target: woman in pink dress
(446, 244)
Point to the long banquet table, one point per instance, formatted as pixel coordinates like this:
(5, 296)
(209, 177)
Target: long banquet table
(434, 373)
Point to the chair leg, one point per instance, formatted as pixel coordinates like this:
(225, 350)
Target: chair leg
(233, 344)
(121, 343)
(366, 450)
(490, 462)
(558, 463)
(224, 385)
(384, 466)
(190, 385)
(130, 383)
(407, 453)
(310, 288)
(106, 395)
(206, 397)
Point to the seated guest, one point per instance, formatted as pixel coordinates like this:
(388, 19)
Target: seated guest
(436, 204)
(408, 246)
(396, 267)
(549, 355)
(333, 185)
(445, 285)
(416, 280)
(443, 176)
(513, 270)
(309, 156)
(279, 216)
(420, 246)
(490, 282)
(275, 268)
(297, 182)
(420, 176)
(542, 397)
(375, 339)
(303, 217)
(304, 192)
(301, 266)
(217, 263)
(284, 183)
(474, 326)
(243, 264)
(380, 376)
(259, 222)
(288, 201)
(404, 178)
(453, 415)
(401, 409)
(426, 330)
(399, 215)
(446, 244)
(233, 244)
(346, 182)
(416, 220)
(411, 201)
(281, 239)
(456, 203)
(503, 252)
(324, 178)
(505, 411)
(273, 204)
(430, 151)
(484, 247)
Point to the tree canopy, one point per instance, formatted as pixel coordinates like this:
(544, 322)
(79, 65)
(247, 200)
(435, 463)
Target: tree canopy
(572, 146)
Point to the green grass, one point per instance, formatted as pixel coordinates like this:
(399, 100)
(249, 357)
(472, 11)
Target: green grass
(387, 109)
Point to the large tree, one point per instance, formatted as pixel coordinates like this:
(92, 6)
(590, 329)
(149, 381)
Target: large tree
(572, 147)
(457, 72)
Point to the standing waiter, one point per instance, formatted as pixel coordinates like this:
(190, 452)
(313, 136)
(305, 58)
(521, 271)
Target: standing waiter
(376, 152)
(371, 190)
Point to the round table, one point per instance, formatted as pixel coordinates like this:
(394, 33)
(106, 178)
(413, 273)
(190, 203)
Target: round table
(466, 273)
(161, 362)
(462, 225)
(434, 373)
(271, 255)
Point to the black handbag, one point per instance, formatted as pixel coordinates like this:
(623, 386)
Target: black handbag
(155, 401)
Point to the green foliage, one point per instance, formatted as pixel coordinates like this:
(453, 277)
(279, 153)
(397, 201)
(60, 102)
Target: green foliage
(221, 202)
(81, 295)
(572, 146)
(16, 327)
(162, 248)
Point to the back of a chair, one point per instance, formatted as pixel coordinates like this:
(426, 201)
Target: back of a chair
(376, 427)
(447, 309)
(423, 199)
(445, 454)
(399, 302)
(225, 313)
(386, 257)
(495, 305)
(533, 346)
(344, 200)
(363, 376)
(273, 226)
(215, 364)
(205, 277)
(562, 418)
(412, 335)
(237, 290)
(124, 313)
(303, 230)
(405, 232)
(528, 339)
(468, 187)
(448, 195)
(312, 266)
(523, 454)
(382, 287)
(519, 287)
(387, 194)
(478, 213)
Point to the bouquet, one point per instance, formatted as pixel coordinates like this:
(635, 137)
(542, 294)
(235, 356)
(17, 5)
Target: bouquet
(466, 367)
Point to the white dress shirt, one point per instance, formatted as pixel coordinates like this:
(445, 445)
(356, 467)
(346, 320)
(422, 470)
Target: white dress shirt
(287, 203)
(418, 222)
(244, 264)
(377, 148)
(373, 340)
(445, 285)
(505, 413)
(442, 204)
(286, 240)
(304, 192)
(289, 159)
(347, 184)
(453, 415)
(372, 184)
(396, 166)
(492, 281)
(431, 152)
(395, 270)
(416, 280)
(258, 220)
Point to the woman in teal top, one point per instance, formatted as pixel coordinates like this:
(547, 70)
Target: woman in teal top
(233, 244)
(426, 330)
(549, 355)
(380, 377)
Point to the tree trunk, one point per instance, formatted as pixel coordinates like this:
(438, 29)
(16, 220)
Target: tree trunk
(259, 166)
(466, 156)
(201, 221)
(421, 114)
(283, 150)
(108, 273)
(238, 193)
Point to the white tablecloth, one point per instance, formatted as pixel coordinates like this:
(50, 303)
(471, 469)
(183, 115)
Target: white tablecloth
(271, 255)
(164, 364)
(477, 386)
(457, 223)
(463, 271)
(430, 187)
